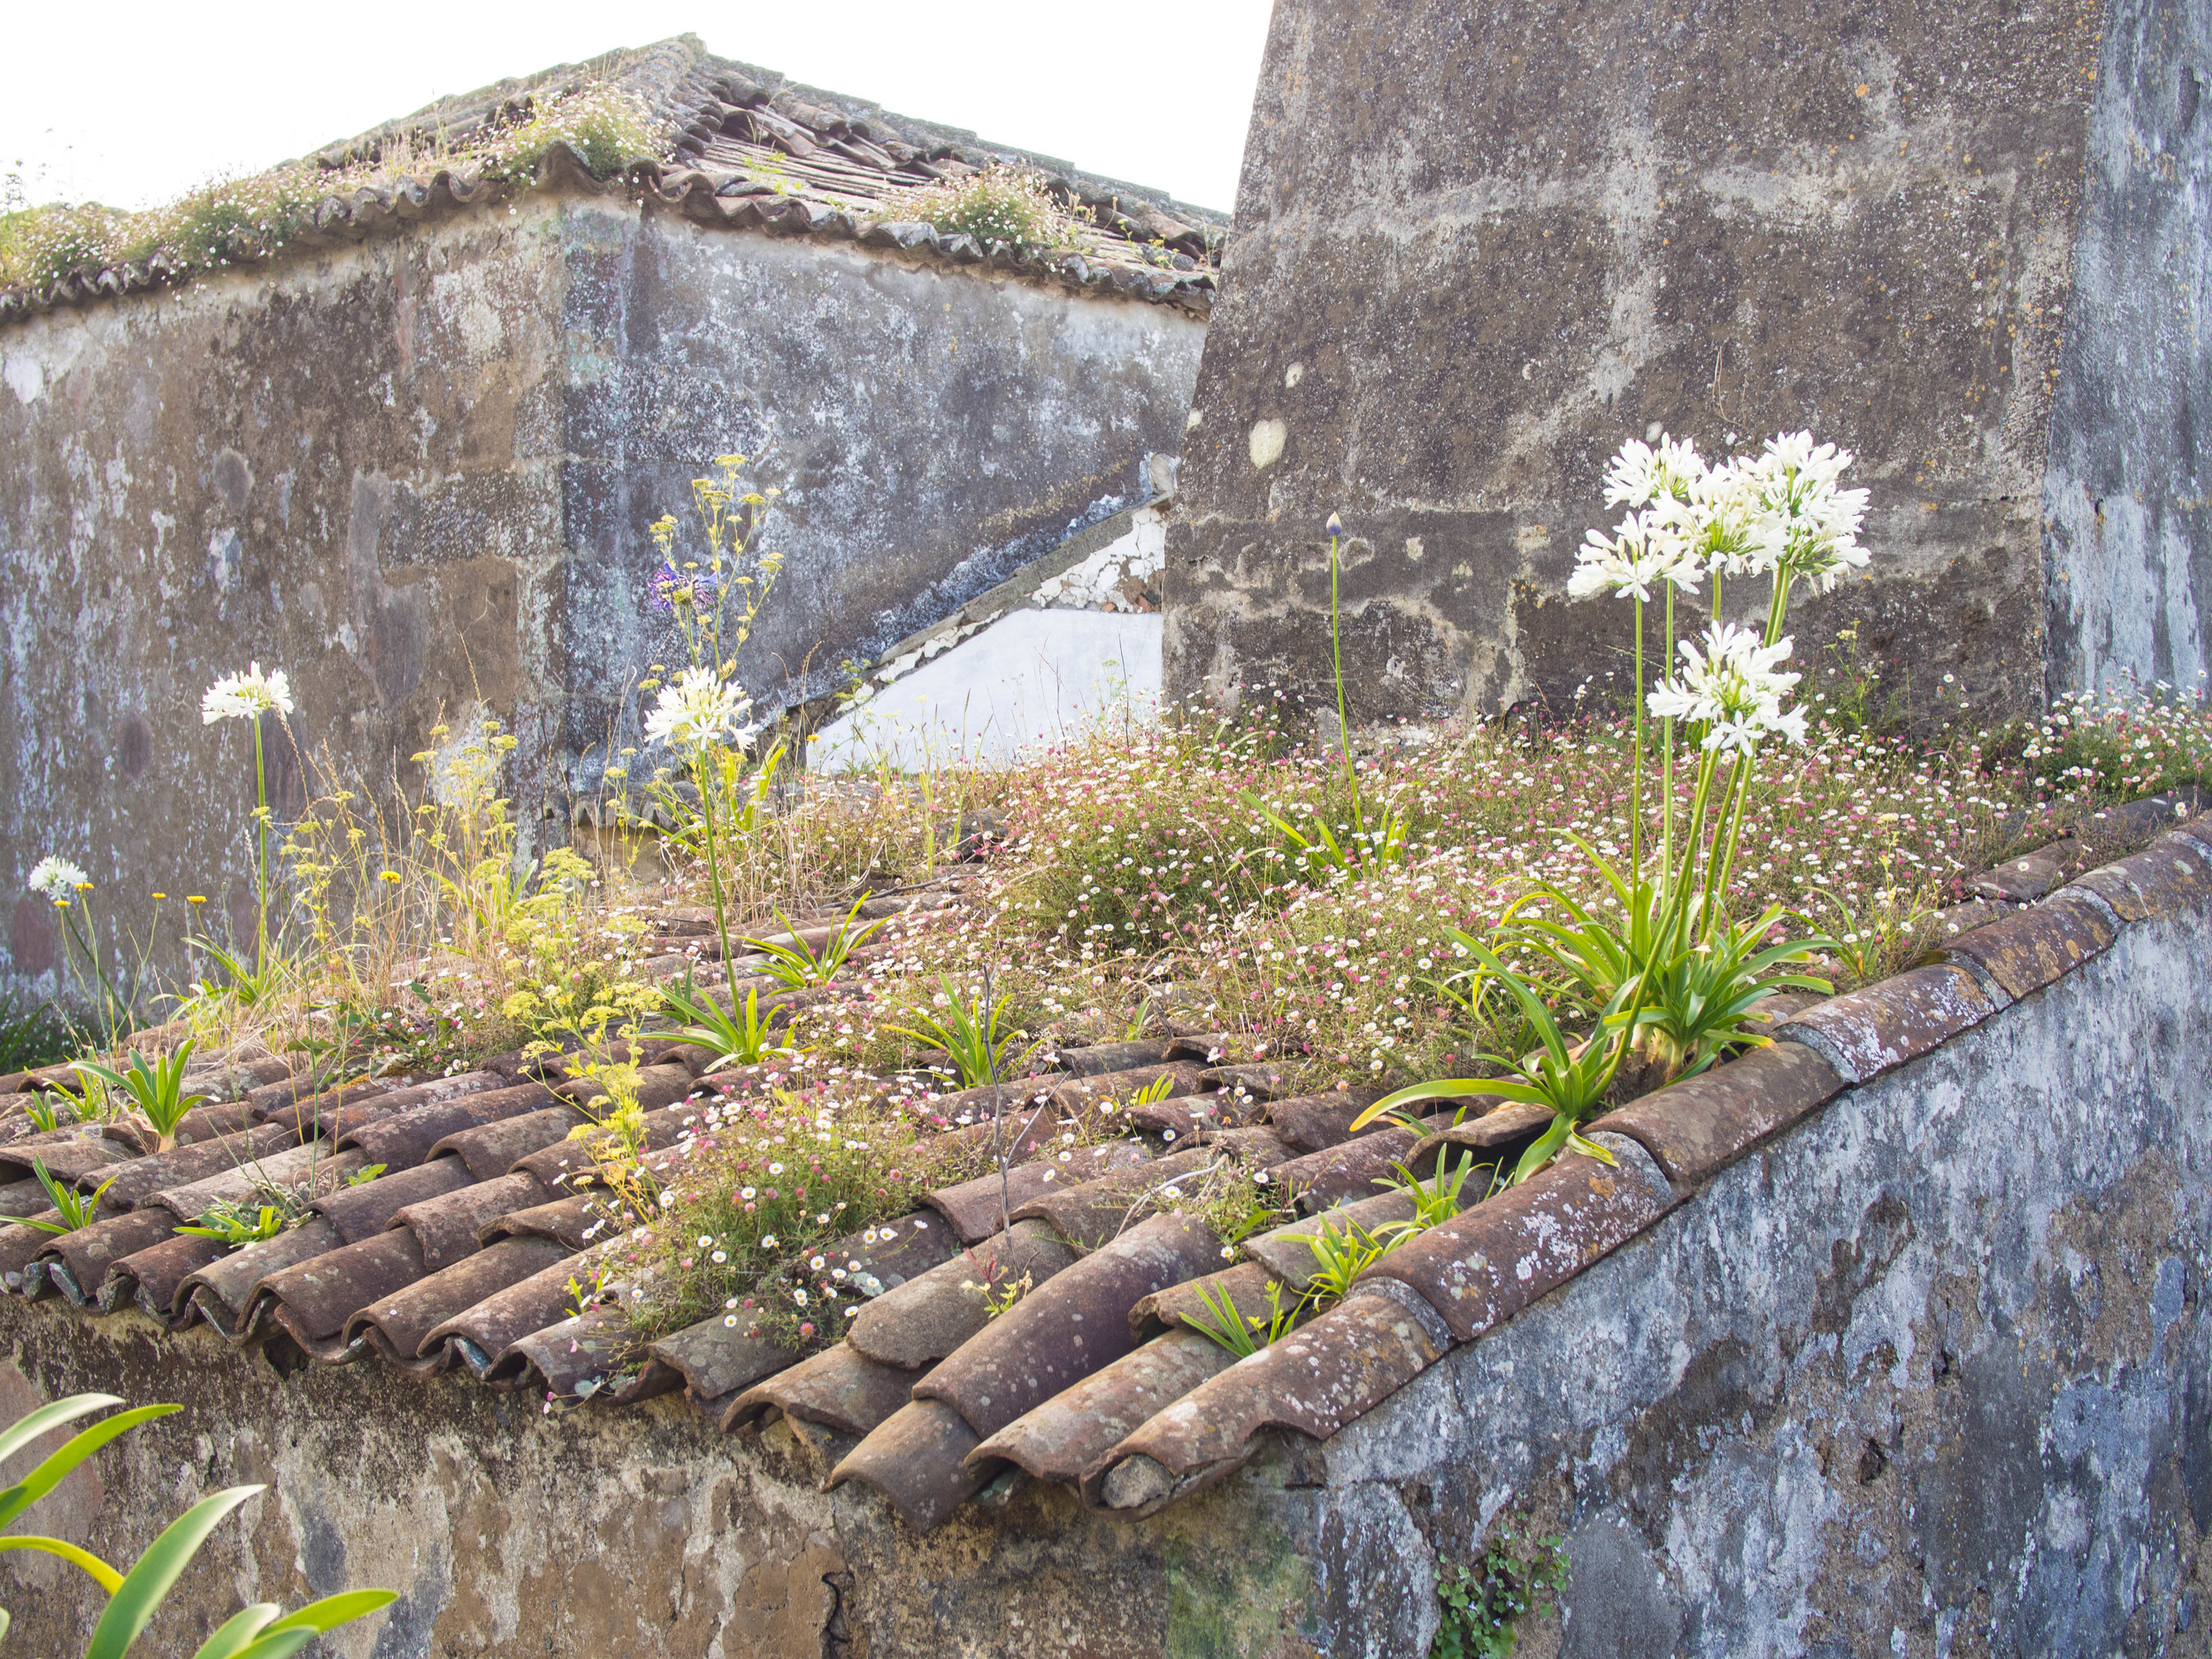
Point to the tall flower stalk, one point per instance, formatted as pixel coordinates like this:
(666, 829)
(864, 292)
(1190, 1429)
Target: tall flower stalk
(704, 714)
(248, 697)
(1674, 976)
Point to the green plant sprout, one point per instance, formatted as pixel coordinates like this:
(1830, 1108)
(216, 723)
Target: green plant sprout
(75, 1209)
(983, 1044)
(734, 1041)
(801, 967)
(158, 1090)
(1242, 1334)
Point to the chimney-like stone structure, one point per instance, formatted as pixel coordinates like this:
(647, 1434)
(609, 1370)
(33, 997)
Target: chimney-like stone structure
(1478, 245)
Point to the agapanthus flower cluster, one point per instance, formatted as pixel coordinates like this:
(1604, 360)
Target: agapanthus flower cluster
(699, 708)
(1780, 510)
(1733, 687)
(246, 696)
(56, 878)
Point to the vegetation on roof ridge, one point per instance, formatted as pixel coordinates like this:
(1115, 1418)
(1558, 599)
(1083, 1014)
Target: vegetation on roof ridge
(255, 216)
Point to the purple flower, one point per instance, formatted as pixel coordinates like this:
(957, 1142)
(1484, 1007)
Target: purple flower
(672, 588)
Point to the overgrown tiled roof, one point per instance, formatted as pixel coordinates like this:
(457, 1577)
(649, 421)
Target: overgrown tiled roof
(469, 1252)
(738, 147)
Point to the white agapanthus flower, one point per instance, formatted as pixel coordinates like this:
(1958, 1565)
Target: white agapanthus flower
(1802, 522)
(246, 696)
(56, 878)
(1733, 687)
(698, 710)
(1640, 475)
(1643, 551)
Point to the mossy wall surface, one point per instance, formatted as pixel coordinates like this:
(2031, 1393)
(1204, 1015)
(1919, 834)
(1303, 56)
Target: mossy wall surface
(1479, 246)
(416, 473)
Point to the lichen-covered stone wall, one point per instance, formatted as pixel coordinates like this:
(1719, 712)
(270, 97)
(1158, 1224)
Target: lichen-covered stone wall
(416, 473)
(1477, 246)
(1928, 1373)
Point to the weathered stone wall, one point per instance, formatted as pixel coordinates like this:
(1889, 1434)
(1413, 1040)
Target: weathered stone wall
(418, 472)
(2128, 493)
(1930, 1373)
(1478, 246)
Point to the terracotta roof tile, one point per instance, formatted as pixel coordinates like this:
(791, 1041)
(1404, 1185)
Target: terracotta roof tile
(1096, 1211)
(1312, 1123)
(133, 1182)
(222, 1292)
(1488, 1262)
(1286, 1253)
(1865, 1032)
(572, 1360)
(1697, 1127)
(841, 1389)
(313, 1300)
(1065, 1437)
(1100, 1058)
(487, 1328)
(149, 1279)
(917, 1457)
(404, 1139)
(931, 1314)
(1067, 1327)
(362, 1212)
(1315, 1380)
(446, 1226)
(294, 1168)
(972, 1208)
(494, 1148)
(67, 1159)
(565, 1220)
(1245, 1285)
(1350, 1170)
(399, 1326)
(77, 1262)
(716, 1359)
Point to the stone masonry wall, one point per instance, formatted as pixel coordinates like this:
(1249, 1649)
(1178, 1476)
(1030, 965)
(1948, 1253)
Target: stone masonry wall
(1927, 1373)
(1477, 246)
(418, 472)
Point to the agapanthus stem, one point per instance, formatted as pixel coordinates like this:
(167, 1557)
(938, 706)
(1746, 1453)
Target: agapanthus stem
(714, 863)
(261, 825)
(1336, 652)
(1666, 743)
(1636, 772)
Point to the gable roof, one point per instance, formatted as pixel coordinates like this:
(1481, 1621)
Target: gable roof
(735, 146)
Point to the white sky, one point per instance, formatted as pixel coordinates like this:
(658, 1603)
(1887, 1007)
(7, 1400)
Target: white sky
(133, 103)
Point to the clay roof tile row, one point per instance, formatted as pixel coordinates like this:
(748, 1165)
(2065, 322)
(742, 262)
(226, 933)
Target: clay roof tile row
(468, 1253)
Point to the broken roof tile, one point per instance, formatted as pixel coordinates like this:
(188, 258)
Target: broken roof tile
(569, 1361)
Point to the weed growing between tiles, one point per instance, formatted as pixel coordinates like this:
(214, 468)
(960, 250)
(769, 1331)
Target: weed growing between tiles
(910, 950)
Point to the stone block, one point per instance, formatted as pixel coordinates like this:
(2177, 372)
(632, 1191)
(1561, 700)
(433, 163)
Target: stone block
(1865, 1032)
(1488, 1263)
(1697, 1128)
